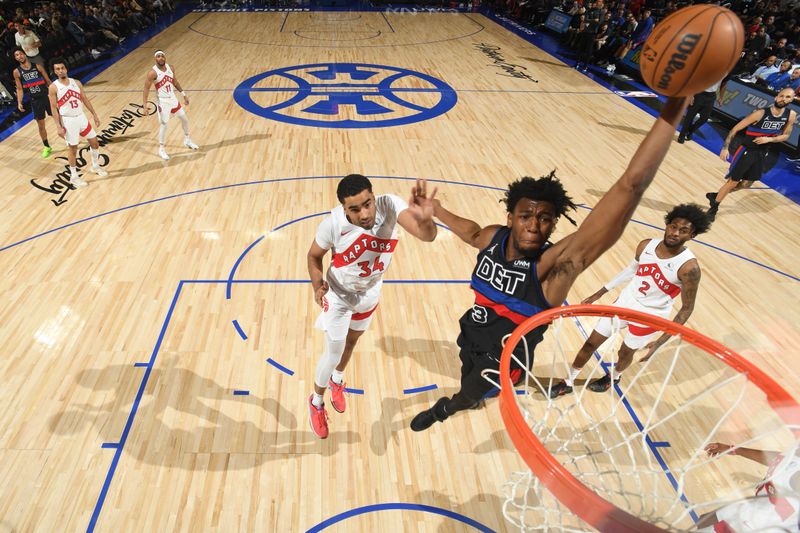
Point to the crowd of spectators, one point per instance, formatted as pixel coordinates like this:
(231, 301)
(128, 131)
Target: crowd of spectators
(77, 32)
(602, 32)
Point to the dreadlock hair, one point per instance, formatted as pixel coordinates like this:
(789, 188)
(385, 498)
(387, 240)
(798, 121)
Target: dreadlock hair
(545, 189)
(351, 185)
(693, 213)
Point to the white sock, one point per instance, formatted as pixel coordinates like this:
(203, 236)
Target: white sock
(337, 377)
(573, 373)
(162, 134)
(73, 171)
(316, 401)
(95, 157)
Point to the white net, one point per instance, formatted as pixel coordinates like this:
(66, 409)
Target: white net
(641, 445)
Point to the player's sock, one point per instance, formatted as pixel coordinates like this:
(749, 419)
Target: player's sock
(45, 143)
(573, 373)
(337, 377)
(73, 171)
(316, 401)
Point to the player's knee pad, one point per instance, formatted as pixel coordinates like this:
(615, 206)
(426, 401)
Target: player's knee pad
(327, 363)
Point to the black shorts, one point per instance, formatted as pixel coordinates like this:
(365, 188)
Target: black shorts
(747, 163)
(41, 108)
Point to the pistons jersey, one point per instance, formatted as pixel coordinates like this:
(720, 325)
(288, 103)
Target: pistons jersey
(165, 88)
(68, 97)
(506, 293)
(360, 257)
(767, 126)
(655, 284)
(33, 81)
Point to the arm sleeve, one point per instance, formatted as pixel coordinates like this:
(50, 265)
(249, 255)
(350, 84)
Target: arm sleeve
(324, 236)
(623, 277)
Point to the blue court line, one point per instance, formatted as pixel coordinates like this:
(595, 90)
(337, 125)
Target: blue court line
(354, 391)
(279, 366)
(387, 21)
(239, 329)
(236, 265)
(112, 445)
(126, 431)
(280, 180)
(239, 392)
(141, 364)
(401, 507)
(420, 389)
(650, 443)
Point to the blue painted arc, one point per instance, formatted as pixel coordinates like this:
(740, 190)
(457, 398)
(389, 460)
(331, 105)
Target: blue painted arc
(402, 507)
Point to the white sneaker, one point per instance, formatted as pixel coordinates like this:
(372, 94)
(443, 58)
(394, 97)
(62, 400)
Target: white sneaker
(77, 181)
(99, 171)
(163, 154)
(187, 142)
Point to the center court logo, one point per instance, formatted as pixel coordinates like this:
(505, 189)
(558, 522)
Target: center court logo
(345, 95)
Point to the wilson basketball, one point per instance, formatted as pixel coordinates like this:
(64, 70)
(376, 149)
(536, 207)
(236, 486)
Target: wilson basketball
(691, 50)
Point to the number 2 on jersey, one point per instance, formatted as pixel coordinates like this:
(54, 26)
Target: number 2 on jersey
(644, 288)
(366, 270)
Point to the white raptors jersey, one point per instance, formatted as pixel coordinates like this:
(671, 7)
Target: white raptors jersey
(777, 484)
(360, 256)
(656, 283)
(68, 98)
(164, 83)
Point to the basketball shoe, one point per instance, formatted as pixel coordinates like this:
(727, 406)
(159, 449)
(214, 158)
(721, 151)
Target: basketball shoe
(318, 419)
(163, 154)
(428, 417)
(99, 171)
(337, 396)
(188, 143)
(602, 384)
(77, 181)
(46, 151)
(560, 389)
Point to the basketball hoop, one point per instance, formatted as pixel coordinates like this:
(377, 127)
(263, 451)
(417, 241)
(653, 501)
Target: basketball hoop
(591, 468)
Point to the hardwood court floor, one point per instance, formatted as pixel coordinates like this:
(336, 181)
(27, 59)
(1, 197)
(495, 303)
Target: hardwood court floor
(86, 297)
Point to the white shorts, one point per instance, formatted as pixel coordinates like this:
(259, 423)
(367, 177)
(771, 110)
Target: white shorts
(759, 514)
(77, 127)
(167, 108)
(338, 316)
(638, 336)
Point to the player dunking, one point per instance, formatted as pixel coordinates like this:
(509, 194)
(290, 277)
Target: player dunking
(661, 270)
(519, 273)
(764, 126)
(33, 78)
(776, 506)
(361, 233)
(68, 96)
(165, 81)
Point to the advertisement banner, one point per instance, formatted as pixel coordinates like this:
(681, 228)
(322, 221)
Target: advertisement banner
(558, 21)
(738, 100)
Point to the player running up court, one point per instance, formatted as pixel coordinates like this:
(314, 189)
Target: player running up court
(776, 505)
(519, 273)
(661, 270)
(361, 234)
(33, 79)
(68, 96)
(764, 126)
(165, 81)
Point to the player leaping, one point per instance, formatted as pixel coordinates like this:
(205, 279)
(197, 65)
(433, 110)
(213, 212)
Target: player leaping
(165, 81)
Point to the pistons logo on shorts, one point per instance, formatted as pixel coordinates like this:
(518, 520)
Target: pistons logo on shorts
(324, 305)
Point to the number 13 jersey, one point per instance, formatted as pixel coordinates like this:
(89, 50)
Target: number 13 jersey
(360, 256)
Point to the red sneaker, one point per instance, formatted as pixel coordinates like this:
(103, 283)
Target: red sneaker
(337, 396)
(318, 419)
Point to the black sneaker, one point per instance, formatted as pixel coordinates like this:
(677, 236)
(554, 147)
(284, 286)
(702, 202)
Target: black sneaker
(712, 198)
(560, 389)
(427, 418)
(688, 135)
(681, 139)
(602, 384)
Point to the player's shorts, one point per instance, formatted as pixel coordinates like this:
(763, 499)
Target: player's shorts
(637, 336)
(77, 127)
(167, 108)
(339, 316)
(760, 513)
(747, 163)
(41, 107)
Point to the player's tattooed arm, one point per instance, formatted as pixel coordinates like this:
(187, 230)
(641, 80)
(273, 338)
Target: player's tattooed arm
(690, 278)
(753, 117)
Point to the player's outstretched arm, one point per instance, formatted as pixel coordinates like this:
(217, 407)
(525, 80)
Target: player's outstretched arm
(562, 263)
(318, 284)
(624, 276)
(467, 230)
(759, 456)
(752, 118)
(417, 219)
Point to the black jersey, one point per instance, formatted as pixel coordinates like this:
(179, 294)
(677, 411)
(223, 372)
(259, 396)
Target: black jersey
(32, 81)
(767, 126)
(506, 293)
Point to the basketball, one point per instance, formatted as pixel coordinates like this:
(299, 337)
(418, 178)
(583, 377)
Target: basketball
(691, 50)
